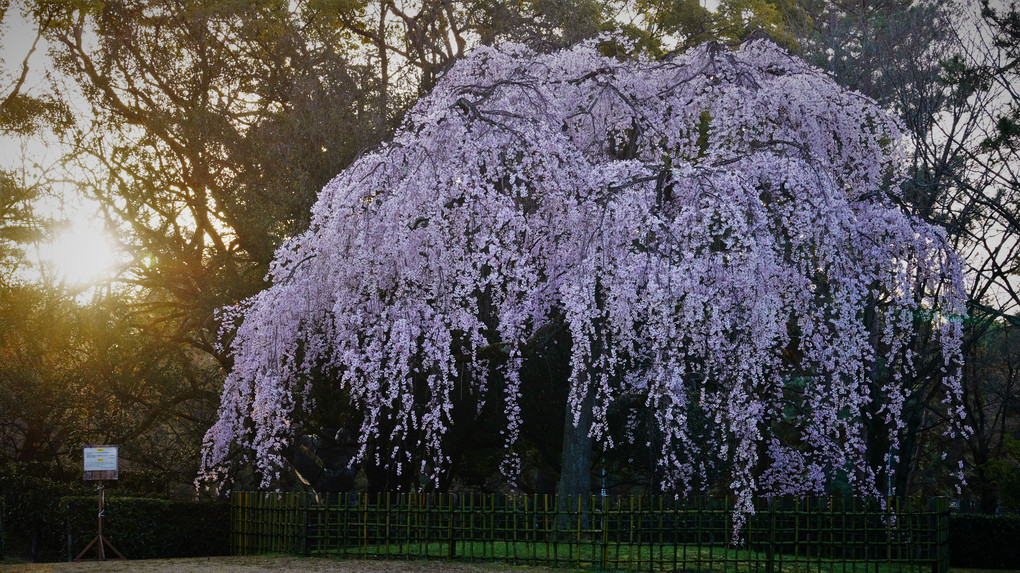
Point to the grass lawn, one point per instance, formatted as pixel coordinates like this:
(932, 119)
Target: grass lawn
(703, 559)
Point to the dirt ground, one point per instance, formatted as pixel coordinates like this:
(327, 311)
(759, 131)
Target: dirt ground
(274, 564)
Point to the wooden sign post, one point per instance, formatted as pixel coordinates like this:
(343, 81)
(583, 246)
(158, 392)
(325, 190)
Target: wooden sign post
(99, 463)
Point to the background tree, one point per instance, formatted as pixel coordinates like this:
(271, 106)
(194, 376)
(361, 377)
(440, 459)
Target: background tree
(193, 108)
(992, 397)
(73, 374)
(21, 114)
(75, 368)
(991, 190)
(547, 23)
(688, 23)
(18, 225)
(215, 124)
(932, 64)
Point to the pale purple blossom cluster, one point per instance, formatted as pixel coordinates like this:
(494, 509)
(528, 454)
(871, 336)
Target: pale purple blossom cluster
(714, 231)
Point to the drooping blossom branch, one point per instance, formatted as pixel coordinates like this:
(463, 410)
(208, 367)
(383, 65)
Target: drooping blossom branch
(715, 232)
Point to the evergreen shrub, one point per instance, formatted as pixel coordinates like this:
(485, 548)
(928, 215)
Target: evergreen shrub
(151, 528)
(31, 520)
(978, 541)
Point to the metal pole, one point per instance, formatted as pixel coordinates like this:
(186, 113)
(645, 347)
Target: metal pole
(102, 552)
(100, 541)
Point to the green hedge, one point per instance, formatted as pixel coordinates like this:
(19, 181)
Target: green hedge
(984, 541)
(32, 523)
(151, 528)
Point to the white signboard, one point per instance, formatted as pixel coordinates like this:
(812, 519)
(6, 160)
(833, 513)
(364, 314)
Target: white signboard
(100, 462)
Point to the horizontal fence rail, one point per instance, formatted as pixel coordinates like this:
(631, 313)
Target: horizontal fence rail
(832, 535)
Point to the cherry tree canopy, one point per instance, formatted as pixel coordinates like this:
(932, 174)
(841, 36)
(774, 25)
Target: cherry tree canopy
(716, 231)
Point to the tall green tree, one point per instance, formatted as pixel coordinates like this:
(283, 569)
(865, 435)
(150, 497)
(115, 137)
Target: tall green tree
(22, 113)
(74, 373)
(1004, 21)
(17, 225)
(992, 191)
(212, 126)
(946, 71)
(688, 23)
(993, 408)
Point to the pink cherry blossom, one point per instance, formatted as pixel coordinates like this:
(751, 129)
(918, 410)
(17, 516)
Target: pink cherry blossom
(712, 229)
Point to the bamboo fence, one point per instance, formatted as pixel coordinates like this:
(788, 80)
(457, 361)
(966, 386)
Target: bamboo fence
(784, 535)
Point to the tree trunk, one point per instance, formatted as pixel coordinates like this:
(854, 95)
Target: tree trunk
(574, 487)
(575, 472)
(983, 484)
(575, 465)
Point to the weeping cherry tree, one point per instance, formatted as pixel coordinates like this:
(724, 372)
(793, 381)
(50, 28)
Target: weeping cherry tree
(716, 232)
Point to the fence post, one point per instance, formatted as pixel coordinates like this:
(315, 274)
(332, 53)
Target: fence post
(235, 528)
(770, 549)
(364, 519)
(451, 500)
(604, 561)
(308, 522)
(580, 502)
(939, 507)
(233, 522)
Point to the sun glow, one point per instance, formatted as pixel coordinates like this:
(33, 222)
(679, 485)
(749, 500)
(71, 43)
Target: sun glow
(79, 255)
